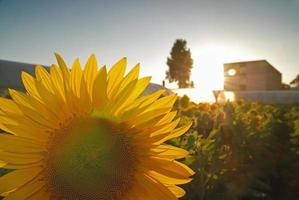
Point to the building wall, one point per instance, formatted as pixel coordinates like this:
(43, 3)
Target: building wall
(273, 80)
(10, 74)
(252, 75)
(10, 77)
(266, 96)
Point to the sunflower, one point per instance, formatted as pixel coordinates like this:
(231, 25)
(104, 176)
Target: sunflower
(90, 134)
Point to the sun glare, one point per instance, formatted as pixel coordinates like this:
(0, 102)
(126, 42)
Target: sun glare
(208, 64)
(207, 72)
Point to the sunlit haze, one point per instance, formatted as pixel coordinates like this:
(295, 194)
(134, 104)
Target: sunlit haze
(211, 58)
(210, 76)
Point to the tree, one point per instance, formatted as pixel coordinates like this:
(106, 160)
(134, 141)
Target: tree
(285, 86)
(5, 94)
(180, 64)
(295, 82)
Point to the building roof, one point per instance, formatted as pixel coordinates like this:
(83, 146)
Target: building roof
(153, 87)
(10, 76)
(247, 61)
(253, 61)
(10, 73)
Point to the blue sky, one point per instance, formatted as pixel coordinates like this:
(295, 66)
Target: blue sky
(144, 31)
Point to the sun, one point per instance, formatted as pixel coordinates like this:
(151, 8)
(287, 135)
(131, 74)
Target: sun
(208, 73)
(208, 64)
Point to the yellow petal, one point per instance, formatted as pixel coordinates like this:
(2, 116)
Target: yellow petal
(168, 167)
(57, 80)
(66, 79)
(154, 189)
(45, 111)
(168, 151)
(150, 135)
(140, 105)
(22, 166)
(41, 194)
(7, 105)
(76, 75)
(144, 101)
(115, 76)
(85, 98)
(15, 144)
(177, 191)
(160, 138)
(52, 102)
(2, 164)
(133, 93)
(168, 180)
(27, 190)
(175, 133)
(131, 76)
(24, 102)
(163, 102)
(19, 98)
(8, 119)
(17, 178)
(65, 71)
(43, 76)
(100, 89)
(90, 72)
(19, 159)
(159, 107)
(166, 128)
(157, 123)
(24, 127)
(30, 84)
(167, 118)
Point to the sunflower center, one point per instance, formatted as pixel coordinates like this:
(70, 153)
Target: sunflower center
(92, 159)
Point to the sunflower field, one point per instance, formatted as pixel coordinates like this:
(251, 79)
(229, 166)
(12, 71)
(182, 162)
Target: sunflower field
(241, 150)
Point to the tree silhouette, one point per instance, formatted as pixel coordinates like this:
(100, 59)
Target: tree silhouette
(295, 82)
(180, 64)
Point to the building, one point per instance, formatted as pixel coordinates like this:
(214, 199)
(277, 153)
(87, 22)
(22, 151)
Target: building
(251, 75)
(10, 74)
(153, 87)
(10, 77)
(255, 81)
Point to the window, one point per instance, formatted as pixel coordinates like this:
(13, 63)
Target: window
(231, 72)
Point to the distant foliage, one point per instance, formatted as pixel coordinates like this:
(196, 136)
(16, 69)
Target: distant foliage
(295, 82)
(5, 94)
(241, 151)
(180, 64)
